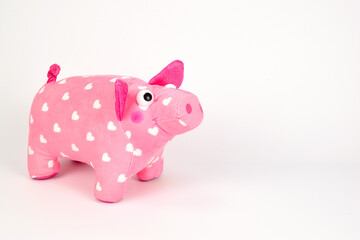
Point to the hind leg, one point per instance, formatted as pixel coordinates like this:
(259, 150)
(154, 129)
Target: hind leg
(42, 165)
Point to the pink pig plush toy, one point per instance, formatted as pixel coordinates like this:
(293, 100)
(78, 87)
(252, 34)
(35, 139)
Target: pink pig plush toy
(118, 125)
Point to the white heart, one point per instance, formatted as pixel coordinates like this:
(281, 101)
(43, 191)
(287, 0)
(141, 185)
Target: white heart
(105, 157)
(156, 159)
(65, 96)
(121, 178)
(75, 116)
(41, 89)
(137, 152)
(57, 128)
(64, 155)
(144, 108)
(170, 85)
(90, 137)
(31, 119)
(97, 104)
(31, 152)
(128, 134)
(62, 81)
(88, 86)
(113, 80)
(42, 139)
(111, 126)
(150, 160)
(182, 123)
(166, 101)
(153, 131)
(98, 187)
(142, 87)
(45, 107)
(50, 163)
(74, 148)
(129, 147)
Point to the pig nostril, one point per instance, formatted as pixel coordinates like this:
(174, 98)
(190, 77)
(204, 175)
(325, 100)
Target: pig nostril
(188, 108)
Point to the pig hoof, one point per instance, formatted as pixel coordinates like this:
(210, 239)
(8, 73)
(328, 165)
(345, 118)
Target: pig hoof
(147, 177)
(44, 177)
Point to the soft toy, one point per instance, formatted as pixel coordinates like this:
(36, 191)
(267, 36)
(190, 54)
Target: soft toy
(118, 125)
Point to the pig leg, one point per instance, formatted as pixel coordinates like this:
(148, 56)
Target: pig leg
(153, 170)
(111, 184)
(42, 165)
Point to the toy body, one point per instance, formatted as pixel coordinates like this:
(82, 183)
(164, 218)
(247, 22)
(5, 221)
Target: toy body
(118, 125)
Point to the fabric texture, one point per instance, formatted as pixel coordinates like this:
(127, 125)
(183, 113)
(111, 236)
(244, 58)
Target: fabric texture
(98, 120)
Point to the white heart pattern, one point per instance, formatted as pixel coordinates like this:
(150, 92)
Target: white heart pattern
(90, 137)
(51, 164)
(45, 107)
(170, 85)
(111, 126)
(42, 89)
(153, 131)
(144, 108)
(129, 147)
(97, 104)
(66, 96)
(74, 147)
(182, 123)
(137, 152)
(105, 157)
(57, 128)
(98, 187)
(64, 155)
(88, 86)
(122, 178)
(166, 101)
(128, 134)
(75, 116)
(31, 152)
(42, 139)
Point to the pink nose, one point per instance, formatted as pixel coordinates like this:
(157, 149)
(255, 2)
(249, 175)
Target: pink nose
(190, 112)
(189, 115)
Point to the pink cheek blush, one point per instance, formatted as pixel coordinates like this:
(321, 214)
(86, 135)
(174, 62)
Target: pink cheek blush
(137, 117)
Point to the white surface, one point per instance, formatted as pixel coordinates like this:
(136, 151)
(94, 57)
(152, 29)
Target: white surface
(277, 156)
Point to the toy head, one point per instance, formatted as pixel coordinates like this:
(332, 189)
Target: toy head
(158, 103)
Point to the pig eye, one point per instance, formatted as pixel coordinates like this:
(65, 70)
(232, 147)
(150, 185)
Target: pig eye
(144, 98)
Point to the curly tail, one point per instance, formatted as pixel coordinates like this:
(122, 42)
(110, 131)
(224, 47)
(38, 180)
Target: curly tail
(53, 72)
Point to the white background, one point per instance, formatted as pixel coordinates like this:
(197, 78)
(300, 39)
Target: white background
(277, 156)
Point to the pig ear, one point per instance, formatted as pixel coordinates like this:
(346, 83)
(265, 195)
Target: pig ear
(171, 74)
(121, 91)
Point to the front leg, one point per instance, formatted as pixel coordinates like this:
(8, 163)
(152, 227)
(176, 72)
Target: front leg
(153, 169)
(112, 176)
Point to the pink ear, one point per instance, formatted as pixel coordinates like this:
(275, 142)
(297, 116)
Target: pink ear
(121, 90)
(171, 74)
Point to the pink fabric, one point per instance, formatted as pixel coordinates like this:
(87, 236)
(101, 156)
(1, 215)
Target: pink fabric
(171, 74)
(78, 118)
(121, 90)
(53, 72)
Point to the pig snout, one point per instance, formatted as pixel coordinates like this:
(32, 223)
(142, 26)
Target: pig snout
(189, 115)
